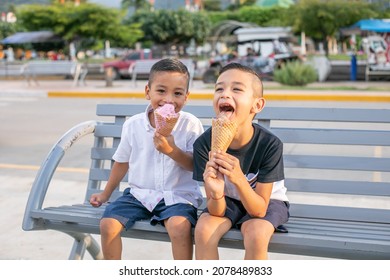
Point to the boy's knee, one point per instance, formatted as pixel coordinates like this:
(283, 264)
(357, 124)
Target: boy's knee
(257, 232)
(202, 230)
(109, 226)
(178, 225)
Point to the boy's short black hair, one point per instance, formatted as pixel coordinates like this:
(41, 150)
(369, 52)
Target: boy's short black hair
(238, 66)
(169, 65)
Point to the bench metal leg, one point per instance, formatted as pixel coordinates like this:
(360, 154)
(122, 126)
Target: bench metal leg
(84, 242)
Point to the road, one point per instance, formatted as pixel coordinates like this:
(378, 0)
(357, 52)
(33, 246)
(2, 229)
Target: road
(30, 125)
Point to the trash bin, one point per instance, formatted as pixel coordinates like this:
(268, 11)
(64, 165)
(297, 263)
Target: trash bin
(353, 67)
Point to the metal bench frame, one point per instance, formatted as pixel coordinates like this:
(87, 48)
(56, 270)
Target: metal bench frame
(345, 232)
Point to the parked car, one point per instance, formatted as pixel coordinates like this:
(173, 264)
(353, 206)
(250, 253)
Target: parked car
(263, 65)
(122, 67)
(262, 48)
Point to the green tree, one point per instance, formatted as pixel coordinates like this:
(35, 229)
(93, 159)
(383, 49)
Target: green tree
(264, 16)
(8, 28)
(323, 19)
(137, 4)
(173, 27)
(87, 24)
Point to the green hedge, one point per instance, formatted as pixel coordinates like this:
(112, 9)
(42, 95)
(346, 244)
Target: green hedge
(295, 73)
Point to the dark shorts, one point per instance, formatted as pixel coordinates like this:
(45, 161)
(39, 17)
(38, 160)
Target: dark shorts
(127, 210)
(277, 212)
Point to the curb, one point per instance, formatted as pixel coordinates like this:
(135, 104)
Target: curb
(206, 96)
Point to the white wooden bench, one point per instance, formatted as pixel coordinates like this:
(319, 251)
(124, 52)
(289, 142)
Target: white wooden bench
(74, 69)
(11, 70)
(378, 71)
(339, 155)
(143, 67)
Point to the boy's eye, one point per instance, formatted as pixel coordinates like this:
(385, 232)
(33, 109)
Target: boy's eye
(178, 93)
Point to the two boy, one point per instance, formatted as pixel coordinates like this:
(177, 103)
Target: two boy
(242, 191)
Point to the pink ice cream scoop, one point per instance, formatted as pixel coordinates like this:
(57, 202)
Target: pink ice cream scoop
(165, 118)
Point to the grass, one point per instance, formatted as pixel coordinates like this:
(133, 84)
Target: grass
(321, 86)
(360, 88)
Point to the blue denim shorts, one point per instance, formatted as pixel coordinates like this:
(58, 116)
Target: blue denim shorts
(127, 210)
(277, 212)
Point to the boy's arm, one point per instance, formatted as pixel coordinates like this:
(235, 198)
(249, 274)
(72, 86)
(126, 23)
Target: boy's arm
(166, 145)
(255, 201)
(214, 185)
(118, 171)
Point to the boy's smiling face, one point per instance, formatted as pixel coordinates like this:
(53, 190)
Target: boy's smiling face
(238, 95)
(168, 87)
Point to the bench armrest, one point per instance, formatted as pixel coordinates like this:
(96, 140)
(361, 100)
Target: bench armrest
(50, 164)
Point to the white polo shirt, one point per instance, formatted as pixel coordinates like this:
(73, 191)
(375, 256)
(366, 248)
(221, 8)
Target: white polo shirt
(153, 175)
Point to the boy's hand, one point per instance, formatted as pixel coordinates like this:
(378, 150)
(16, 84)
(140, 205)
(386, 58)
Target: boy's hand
(97, 199)
(213, 179)
(163, 144)
(229, 166)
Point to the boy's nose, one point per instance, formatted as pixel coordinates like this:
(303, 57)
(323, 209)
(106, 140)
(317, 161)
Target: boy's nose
(225, 94)
(168, 99)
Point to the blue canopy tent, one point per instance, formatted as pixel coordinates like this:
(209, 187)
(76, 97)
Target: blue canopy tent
(368, 25)
(32, 37)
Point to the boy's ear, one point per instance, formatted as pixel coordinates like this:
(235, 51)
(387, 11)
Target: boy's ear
(258, 105)
(147, 90)
(187, 94)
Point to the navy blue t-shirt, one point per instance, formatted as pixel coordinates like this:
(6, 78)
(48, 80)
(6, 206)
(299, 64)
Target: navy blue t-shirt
(261, 159)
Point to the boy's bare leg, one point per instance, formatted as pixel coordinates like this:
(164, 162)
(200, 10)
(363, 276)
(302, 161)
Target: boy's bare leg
(179, 231)
(257, 234)
(110, 231)
(208, 231)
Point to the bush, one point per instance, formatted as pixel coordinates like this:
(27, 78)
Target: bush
(295, 73)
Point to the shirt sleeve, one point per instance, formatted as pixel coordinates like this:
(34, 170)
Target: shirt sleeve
(195, 129)
(201, 152)
(272, 168)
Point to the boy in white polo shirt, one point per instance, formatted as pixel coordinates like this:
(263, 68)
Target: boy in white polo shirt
(160, 168)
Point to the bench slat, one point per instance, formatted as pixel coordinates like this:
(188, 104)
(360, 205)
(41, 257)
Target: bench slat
(268, 113)
(337, 163)
(108, 130)
(102, 153)
(340, 213)
(333, 136)
(102, 174)
(325, 114)
(338, 187)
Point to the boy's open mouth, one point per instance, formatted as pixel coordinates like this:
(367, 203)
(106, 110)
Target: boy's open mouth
(227, 110)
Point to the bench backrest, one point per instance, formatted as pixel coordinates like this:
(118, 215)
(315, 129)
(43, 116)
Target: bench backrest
(337, 154)
(51, 67)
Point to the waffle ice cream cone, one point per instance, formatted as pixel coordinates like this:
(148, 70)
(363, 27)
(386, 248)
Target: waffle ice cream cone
(165, 118)
(222, 133)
